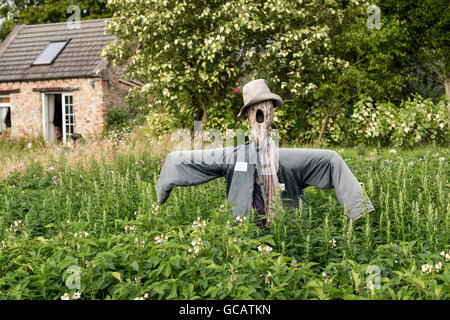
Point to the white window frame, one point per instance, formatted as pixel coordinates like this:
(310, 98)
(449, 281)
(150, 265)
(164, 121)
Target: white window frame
(65, 114)
(5, 104)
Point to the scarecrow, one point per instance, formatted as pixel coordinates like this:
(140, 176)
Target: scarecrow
(257, 170)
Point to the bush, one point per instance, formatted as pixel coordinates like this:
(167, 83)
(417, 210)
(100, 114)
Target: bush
(415, 121)
(124, 116)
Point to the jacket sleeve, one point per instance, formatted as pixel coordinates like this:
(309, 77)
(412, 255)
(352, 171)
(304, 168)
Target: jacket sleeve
(325, 169)
(189, 168)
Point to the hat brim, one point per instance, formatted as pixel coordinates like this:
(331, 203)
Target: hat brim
(259, 98)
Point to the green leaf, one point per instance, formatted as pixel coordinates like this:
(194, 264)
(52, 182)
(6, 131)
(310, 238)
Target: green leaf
(117, 276)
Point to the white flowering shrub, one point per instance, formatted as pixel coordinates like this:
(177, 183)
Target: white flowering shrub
(194, 57)
(415, 121)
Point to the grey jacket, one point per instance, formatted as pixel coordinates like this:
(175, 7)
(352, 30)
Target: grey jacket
(298, 169)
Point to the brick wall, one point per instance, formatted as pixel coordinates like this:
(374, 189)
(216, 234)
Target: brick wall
(26, 106)
(92, 97)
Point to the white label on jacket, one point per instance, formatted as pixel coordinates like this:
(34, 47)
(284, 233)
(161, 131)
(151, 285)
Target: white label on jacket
(282, 187)
(240, 166)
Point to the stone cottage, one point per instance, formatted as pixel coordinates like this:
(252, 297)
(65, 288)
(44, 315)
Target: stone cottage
(54, 83)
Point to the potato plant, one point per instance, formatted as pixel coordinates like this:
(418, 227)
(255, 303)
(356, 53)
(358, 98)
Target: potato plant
(97, 232)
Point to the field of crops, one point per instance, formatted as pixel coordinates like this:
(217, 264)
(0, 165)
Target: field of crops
(93, 230)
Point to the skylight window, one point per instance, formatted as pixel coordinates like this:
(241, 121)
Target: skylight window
(50, 52)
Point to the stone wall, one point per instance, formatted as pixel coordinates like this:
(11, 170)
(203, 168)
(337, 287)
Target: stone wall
(115, 91)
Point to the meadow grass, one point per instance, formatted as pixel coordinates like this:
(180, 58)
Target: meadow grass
(85, 220)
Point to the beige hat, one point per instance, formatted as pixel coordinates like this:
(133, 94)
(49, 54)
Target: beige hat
(256, 91)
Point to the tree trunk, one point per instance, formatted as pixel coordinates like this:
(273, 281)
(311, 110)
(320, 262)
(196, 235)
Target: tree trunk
(204, 113)
(447, 87)
(322, 130)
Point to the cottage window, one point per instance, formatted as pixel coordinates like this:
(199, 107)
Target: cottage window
(50, 52)
(5, 117)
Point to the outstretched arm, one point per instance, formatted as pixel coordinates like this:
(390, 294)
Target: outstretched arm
(189, 168)
(325, 169)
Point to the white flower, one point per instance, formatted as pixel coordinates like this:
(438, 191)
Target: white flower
(155, 208)
(199, 225)
(441, 159)
(265, 249)
(269, 274)
(326, 278)
(139, 243)
(131, 229)
(142, 298)
(196, 242)
(161, 239)
(333, 243)
(81, 235)
(240, 219)
(393, 151)
(196, 246)
(195, 250)
(76, 296)
(427, 268)
(438, 266)
(446, 255)
(65, 296)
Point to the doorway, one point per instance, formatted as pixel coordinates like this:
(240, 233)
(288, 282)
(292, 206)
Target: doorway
(58, 117)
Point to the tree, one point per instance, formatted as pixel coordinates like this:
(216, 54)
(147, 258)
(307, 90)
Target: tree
(319, 55)
(427, 25)
(45, 11)
(190, 53)
(322, 56)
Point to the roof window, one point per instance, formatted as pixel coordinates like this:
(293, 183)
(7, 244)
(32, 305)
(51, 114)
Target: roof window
(50, 52)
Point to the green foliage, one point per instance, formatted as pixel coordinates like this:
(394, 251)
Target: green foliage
(426, 25)
(101, 228)
(316, 55)
(413, 122)
(132, 112)
(186, 52)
